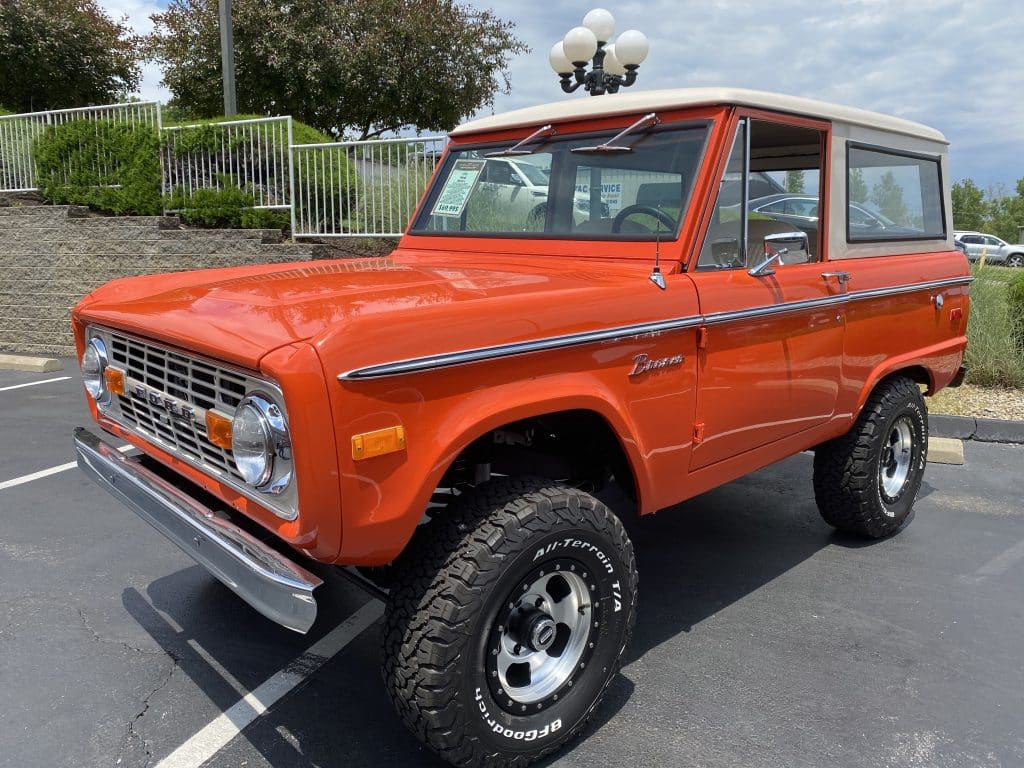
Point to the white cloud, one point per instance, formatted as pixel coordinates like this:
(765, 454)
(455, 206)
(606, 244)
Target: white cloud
(946, 63)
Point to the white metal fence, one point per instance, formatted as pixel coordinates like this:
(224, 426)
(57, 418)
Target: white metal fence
(341, 189)
(252, 155)
(360, 188)
(18, 132)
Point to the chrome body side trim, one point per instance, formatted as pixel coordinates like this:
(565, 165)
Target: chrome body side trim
(449, 359)
(271, 583)
(464, 357)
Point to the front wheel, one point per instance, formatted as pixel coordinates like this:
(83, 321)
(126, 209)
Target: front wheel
(508, 620)
(1015, 260)
(865, 482)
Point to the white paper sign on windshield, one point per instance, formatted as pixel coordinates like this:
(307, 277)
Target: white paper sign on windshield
(460, 183)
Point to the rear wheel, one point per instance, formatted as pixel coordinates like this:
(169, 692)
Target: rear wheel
(865, 482)
(508, 621)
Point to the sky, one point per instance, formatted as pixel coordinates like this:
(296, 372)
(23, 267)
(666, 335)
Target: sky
(955, 65)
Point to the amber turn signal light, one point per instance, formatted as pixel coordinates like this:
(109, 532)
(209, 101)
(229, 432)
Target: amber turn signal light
(115, 380)
(218, 429)
(370, 444)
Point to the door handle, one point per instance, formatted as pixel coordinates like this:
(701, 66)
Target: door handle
(842, 277)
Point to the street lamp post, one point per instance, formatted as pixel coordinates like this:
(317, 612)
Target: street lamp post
(614, 64)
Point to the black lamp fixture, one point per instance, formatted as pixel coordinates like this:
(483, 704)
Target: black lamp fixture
(614, 64)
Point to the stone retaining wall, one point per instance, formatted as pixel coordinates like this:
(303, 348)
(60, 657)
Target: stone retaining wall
(51, 256)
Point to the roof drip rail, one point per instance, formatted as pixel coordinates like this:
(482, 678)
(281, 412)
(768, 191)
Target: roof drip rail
(515, 150)
(646, 121)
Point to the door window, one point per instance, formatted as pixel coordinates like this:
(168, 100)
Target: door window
(744, 232)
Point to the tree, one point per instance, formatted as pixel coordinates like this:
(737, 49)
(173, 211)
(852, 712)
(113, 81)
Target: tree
(56, 54)
(1004, 212)
(887, 197)
(369, 65)
(968, 205)
(795, 182)
(858, 187)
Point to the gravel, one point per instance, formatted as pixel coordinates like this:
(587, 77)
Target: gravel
(970, 400)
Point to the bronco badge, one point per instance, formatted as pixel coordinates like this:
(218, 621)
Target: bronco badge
(642, 363)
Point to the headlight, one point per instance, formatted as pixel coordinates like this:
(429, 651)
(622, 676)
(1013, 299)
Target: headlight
(260, 444)
(94, 362)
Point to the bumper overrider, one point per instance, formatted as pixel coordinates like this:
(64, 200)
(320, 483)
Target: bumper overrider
(271, 583)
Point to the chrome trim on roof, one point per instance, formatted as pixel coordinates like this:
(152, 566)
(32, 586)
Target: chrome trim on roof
(464, 357)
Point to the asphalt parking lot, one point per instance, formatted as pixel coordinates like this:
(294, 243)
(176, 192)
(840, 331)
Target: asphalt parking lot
(764, 639)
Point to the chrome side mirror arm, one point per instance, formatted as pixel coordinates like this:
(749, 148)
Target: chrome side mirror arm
(762, 270)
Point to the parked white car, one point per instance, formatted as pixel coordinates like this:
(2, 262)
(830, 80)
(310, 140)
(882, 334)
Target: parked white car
(996, 250)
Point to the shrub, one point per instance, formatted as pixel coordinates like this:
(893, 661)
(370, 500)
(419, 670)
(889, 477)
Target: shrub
(106, 165)
(1015, 311)
(993, 359)
(221, 157)
(221, 208)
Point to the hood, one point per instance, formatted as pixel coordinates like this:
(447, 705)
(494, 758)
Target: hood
(240, 314)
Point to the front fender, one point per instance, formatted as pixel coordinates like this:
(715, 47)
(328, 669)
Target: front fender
(384, 497)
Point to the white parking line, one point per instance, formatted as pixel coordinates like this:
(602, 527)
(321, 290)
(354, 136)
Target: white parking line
(47, 472)
(33, 383)
(222, 729)
(1002, 562)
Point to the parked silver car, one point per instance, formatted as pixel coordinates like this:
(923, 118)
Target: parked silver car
(996, 250)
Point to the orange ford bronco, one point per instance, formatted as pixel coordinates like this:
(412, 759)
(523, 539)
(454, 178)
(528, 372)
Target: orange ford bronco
(665, 290)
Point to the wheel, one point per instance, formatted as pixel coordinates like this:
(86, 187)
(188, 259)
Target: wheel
(537, 219)
(629, 210)
(865, 482)
(506, 623)
(1015, 260)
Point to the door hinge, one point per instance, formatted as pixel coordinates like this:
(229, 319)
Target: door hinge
(698, 432)
(702, 337)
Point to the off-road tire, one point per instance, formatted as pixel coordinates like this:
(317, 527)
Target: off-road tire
(848, 471)
(445, 611)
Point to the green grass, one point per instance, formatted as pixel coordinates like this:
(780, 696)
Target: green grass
(992, 359)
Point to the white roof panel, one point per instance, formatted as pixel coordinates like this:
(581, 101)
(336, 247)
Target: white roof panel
(654, 101)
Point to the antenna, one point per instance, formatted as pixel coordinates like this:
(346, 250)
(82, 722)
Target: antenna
(656, 277)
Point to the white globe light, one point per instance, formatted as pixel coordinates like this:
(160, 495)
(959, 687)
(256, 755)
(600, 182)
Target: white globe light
(612, 65)
(632, 47)
(559, 61)
(579, 44)
(601, 23)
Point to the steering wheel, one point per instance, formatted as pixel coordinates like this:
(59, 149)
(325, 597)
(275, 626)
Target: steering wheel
(629, 210)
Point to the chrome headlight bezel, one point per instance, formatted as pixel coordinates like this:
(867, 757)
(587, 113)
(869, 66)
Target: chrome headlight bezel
(94, 381)
(275, 473)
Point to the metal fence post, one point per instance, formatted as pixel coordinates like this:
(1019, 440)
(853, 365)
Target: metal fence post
(291, 174)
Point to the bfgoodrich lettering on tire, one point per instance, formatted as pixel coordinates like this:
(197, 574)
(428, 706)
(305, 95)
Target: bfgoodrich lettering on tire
(507, 620)
(865, 482)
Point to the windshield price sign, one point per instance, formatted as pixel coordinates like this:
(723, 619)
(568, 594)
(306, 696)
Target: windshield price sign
(452, 200)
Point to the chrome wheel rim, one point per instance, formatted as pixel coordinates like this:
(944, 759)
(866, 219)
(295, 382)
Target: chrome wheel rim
(894, 466)
(542, 639)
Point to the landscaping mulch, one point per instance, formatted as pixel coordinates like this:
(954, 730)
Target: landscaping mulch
(981, 402)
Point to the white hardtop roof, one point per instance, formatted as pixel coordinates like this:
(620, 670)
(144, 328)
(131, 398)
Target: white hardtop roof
(654, 101)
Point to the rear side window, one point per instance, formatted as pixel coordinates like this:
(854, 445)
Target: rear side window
(893, 196)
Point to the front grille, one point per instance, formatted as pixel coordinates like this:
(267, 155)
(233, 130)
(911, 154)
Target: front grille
(187, 379)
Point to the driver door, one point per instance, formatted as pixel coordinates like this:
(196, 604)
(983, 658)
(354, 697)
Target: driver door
(771, 355)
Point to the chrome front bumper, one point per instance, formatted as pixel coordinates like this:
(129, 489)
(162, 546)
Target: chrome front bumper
(271, 583)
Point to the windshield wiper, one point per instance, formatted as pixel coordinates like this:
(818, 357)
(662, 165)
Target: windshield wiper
(515, 150)
(609, 146)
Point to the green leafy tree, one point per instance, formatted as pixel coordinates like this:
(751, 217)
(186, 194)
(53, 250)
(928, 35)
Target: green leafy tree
(1004, 212)
(371, 66)
(56, 54)
(795, 182)
(887, 197)
(858, 187)
(968, 205)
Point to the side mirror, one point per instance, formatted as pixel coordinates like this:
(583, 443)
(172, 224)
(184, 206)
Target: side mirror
(793, 245)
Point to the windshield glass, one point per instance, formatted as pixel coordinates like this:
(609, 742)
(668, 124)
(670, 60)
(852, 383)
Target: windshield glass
(556, 193)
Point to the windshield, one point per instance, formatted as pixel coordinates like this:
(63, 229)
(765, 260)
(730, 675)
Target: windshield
(557, 193)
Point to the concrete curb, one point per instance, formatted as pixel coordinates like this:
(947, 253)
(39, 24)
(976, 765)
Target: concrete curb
(971, 428)
(30, 364)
